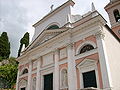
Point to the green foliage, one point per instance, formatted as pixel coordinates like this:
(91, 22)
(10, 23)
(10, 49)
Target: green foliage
(4, 46)
(1, 58)
(8, 74)
(24, 40)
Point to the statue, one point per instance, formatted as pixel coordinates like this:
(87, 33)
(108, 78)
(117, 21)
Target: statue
(64, 79)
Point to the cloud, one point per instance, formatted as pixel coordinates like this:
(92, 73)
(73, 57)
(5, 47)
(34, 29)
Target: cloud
(13, 20)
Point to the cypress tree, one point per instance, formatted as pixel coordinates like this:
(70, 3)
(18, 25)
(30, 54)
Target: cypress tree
(4, 46)
(24, 40)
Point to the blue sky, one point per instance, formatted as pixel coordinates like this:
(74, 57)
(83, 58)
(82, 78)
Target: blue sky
(18, 16)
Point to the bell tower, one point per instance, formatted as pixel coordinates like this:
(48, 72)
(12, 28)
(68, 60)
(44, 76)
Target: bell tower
(113, 10)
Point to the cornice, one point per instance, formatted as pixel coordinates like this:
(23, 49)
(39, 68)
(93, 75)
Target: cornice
(111, 4)
(43, 33)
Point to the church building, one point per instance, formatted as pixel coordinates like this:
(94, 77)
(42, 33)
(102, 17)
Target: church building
(73, 52)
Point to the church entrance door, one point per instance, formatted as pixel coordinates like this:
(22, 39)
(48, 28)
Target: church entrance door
(48, 82)
(23, 88)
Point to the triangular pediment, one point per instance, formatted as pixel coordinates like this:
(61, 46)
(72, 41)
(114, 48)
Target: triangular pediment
(86, 62)
(45, 36)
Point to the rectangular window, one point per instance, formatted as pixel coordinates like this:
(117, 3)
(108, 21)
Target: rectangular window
(89, 79)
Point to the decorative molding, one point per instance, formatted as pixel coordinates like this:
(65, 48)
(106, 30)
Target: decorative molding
(53, 23)
(91, 52)
(48, 59)
(85, 43)
(100, 34)
(86, 66)
(86, 63)
(22, 83)
(63, 53)
(23, 70)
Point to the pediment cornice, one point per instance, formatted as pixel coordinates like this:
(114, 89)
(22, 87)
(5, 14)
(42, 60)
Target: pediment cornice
(86, 63)
(44, 36)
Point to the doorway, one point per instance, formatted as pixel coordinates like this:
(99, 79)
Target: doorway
(89, 79)
(48, 82)
(22, 88)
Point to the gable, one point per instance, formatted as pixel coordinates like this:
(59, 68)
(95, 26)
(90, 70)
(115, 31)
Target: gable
(86, 63)
(57, 16)
(45, 36)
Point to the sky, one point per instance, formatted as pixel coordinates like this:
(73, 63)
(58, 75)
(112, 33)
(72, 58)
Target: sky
(18, 16)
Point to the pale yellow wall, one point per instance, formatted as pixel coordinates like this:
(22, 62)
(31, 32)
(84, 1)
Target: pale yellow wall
(113, 52)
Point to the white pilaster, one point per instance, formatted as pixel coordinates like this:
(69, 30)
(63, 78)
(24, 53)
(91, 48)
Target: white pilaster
(18, 74)
(71, 69)
(56, 82)
(38, 74)
(103, 59)
(29, 76)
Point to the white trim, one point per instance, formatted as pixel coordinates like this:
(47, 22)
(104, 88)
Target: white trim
(71, 68)
(83, 44)
(103, 59)
(38, 74)
(32, 83)
(86, 54)
(86, 66)
(63, 61)
(45, 72)
(29, 75)
(47, 67)
(56, 70)
(24, 86)
(23, 70)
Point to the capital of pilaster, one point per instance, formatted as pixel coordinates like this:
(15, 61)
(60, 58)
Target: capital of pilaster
(100, 34)
(70, 45)
(56, 50)
(39, 58)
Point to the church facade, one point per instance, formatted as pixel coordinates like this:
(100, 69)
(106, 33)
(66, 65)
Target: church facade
(71, 52)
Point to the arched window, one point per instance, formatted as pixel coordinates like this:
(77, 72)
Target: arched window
(64, 78)
(116, 15)
(25, 71)
(86, 48)
(53, 27)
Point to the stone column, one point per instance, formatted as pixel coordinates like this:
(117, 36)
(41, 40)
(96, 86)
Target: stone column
(72, 80)
(38, 74)
(17, 83)
(103, 59)
(29, 76)
(56, 82)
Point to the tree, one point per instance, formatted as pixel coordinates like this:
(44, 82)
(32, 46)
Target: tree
(8, 74)
(4, 46)
(24, 40)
